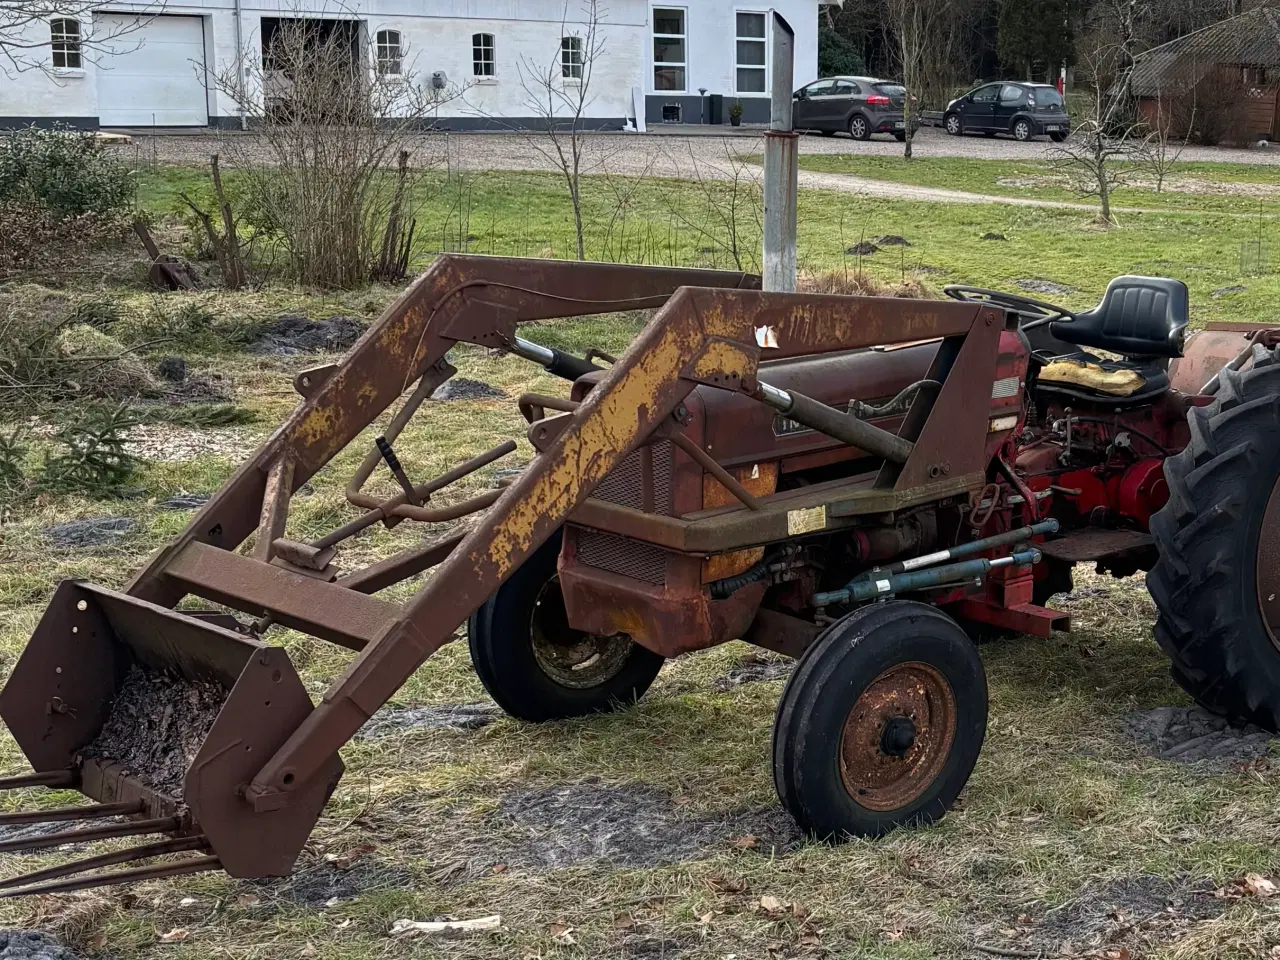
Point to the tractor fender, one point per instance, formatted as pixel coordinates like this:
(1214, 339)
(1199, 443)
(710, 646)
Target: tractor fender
(1205, 354)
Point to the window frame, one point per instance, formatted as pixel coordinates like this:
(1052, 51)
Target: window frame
(477, 47)
(995, 98)
(388, 65)
(763, 41)
(1022, 93)
(654, 36)
(571, 44)
(66, 45)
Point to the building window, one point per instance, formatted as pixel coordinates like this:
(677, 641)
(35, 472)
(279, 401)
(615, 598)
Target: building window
(571, 58)
(1254, 76)
(750, 53)
(389, 52)
(669, 53)
(482, 54)
(65, 37)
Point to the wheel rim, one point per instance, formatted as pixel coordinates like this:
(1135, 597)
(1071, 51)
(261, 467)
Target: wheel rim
(570, 657)
(858, 128)
(1021, 131)
(1268, 575)
(897, 736)
(953, 125)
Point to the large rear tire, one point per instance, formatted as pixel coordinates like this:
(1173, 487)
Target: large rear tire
(1216, 585)
(881, 722)
(535, 666)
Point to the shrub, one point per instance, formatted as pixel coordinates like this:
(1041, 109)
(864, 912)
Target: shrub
(68, 174)
(92, 458)
(837, 54)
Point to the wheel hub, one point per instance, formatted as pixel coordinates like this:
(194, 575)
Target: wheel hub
(1268, 566)
(570, 657)
(897, 736)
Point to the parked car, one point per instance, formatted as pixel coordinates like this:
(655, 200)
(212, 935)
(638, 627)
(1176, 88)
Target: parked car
(858, 106)
(1024, 110)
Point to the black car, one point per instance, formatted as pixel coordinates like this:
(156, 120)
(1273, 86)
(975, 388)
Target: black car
(1024, 110)
(859, 106)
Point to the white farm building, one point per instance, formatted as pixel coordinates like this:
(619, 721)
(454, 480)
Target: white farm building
(136, 66)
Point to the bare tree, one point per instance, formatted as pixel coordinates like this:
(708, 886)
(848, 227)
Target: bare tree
(723, 206)
(331, 126)
(916, 26)
(50, 35)
(1097, 158)
(559, 93)
(1161, 149)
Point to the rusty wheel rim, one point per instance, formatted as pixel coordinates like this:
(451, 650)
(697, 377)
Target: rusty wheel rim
(570, 657)
(897, 736)
(1268, 563)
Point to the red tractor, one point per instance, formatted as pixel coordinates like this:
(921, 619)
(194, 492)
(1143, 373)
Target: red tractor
(858, 482)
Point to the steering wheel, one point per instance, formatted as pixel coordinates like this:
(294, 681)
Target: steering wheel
(1033, 313)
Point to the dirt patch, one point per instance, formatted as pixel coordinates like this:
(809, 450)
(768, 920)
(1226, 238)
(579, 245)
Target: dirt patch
(173, 369)
(863, 249)
(34, 831)
(1228, 291)
(753, 669)
(462, 388)
(629, 826)
(29, 945)
(1193, 735)
(653, 948)
(185, 501)
(893, 240)
(293, 335)
(157, 725)
(97, 532)
(323, 884)
(993, 236)
(1107, 916)
(450, 716)
(928, 271)
(1041, 285)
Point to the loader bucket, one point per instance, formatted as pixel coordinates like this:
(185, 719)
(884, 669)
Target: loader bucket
(160, 717)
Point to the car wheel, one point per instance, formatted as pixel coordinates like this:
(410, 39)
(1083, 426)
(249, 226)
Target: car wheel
(1057, 137)
(827, 133)
(954, 125)
(900, 136)
(859, 129)
(1022, 130)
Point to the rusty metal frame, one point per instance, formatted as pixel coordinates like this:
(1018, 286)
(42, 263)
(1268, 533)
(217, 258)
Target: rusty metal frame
(709, 332)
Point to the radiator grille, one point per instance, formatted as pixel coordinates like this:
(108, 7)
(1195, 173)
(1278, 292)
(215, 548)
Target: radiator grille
(627, 558)
(624, 485)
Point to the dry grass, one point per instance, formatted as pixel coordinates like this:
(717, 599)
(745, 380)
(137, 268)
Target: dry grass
(1069, 839)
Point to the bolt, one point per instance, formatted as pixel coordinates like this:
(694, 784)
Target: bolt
(82, 605)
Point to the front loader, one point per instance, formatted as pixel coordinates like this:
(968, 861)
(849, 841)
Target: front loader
(859, 482)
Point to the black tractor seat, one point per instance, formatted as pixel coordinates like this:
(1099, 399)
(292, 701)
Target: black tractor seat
(1143, 319)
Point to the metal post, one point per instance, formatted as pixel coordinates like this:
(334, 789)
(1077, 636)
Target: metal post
(780, 168)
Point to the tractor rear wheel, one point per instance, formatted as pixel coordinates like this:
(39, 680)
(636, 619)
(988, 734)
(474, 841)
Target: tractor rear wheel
(1216, 585)
(535, 666)
(881, 722)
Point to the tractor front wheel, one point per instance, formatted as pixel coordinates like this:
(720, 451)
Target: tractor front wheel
(1216, 585)
(535, 666)
(881, 722)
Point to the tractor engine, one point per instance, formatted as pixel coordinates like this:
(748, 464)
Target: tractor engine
(627, 571)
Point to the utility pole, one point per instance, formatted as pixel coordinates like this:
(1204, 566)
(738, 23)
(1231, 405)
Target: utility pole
(780, 166)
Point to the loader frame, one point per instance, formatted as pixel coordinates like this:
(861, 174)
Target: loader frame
(712, 329)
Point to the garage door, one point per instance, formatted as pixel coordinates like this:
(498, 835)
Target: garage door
(151, 71)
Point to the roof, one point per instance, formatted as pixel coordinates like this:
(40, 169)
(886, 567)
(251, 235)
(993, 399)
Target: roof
(1251, 38)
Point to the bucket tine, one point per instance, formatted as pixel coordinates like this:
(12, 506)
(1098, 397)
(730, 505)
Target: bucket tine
(92, 811)
(53, 778)
(136, 874)
(132, 829)
(144, 852)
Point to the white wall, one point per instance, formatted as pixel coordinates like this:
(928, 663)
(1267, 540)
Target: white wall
(524, 30)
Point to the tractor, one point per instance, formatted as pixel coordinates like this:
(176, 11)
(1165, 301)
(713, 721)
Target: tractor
(861, 483)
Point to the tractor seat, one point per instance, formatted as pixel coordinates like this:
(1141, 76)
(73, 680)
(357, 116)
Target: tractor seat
(1138, 317)
(1141, 318)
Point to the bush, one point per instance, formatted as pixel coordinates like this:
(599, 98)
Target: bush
(837, 54)
(92, 458)
(68, 174)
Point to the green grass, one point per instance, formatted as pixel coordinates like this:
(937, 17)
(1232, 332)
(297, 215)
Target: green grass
(1184, 190)
(1064, 817)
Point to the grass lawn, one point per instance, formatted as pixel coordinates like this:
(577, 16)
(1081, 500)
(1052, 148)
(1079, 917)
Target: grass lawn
(1192, 187)
(655, 832)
